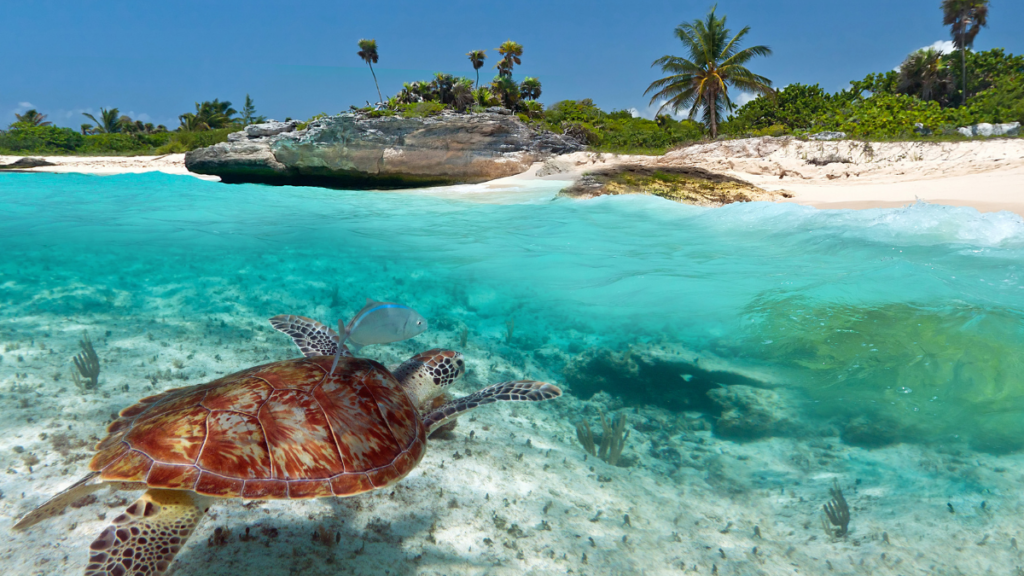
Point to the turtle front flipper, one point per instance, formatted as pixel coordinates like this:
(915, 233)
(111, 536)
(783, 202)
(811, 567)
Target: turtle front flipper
(312, 337)
(145, 539)
(516, 391)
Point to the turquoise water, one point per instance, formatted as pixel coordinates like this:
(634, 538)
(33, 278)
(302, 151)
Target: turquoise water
(874, 327)
(797, 290)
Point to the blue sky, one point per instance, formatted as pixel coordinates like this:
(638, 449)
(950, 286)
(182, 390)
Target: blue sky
(153, 60)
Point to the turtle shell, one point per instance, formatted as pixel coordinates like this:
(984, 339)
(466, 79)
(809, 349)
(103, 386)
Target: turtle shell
(281, 430)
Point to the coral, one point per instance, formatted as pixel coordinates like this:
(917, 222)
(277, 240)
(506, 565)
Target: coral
(837, 512)
(613, 439)
(88, 364)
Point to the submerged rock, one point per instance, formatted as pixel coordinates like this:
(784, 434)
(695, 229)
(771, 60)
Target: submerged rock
(682, 184)
(355, 151)
(665, 376)
(749, 412)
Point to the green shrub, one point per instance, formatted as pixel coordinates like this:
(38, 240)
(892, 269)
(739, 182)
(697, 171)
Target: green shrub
(184, 141)
(114, 142)
(304, 125)
(41, 140)
(775, 130)
(155, 140)
(421, 109)
(795, 107)
(893, 115)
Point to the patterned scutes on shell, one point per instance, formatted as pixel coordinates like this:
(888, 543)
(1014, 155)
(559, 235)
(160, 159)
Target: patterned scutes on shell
(282, 430)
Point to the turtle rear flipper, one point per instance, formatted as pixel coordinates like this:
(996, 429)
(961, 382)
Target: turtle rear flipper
(312, 337)
(58, 503)
(515, 391)
(145, 539)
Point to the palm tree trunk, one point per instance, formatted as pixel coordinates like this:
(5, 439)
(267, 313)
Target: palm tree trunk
(379, 97)
(963, 68)
(712, 98)
(477, 78)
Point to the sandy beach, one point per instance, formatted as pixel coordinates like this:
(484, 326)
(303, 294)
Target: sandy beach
(986, 175)
(110, 165)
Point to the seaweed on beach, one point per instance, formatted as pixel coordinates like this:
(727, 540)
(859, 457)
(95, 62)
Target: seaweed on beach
(88, 364)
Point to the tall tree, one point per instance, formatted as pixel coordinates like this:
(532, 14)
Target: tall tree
(249, 113)
(510, 52)
(368, 52)
(109, 122)
(715, 63)
(32, 118)
(965, 19)
(477, 57)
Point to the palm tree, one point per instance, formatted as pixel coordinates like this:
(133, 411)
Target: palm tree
(477, 57)
(510, 52)
(368, 52)
(462, 94)
(530, 88)
(32, 118)
(924, 74)
(192, 123)
(507, 90)
(443, 83)
(715, 63)
(109, 123)
(965, 19)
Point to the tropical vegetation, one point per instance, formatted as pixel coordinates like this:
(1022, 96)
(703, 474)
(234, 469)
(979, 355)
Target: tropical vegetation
(111, 132)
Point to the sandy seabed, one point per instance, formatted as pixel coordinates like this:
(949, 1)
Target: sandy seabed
(510, 491)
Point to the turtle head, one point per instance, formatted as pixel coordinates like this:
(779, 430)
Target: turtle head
(428, 374)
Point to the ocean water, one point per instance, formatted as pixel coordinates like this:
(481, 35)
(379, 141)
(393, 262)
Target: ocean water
(875, 328)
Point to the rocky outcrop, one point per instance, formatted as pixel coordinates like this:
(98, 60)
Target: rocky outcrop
(680, 183)
(355, 151)
(27, 162)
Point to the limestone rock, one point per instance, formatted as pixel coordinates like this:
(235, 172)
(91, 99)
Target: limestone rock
(989, 130)
(356, 151)
(269, 129)
(680, 183)
(28, 162)
(828, 136)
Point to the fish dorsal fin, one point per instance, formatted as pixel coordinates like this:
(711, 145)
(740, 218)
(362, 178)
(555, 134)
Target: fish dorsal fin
(369, 302)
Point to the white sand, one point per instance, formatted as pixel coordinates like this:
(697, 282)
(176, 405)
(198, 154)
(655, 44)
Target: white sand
(987, 175)
(110, 165)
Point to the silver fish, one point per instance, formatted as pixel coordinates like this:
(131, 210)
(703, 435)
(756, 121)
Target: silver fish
(379, 323)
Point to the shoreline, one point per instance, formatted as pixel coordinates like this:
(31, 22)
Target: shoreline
(986, 175)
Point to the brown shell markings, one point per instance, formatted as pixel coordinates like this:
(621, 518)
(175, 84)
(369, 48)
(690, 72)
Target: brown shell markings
(282, 430)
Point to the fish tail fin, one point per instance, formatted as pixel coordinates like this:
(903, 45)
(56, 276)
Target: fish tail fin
(342, 336)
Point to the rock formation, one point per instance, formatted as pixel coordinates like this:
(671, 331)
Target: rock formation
(356, 151)
(684, 184)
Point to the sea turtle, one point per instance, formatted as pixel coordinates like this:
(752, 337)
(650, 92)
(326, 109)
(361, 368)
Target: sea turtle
(287, 429)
